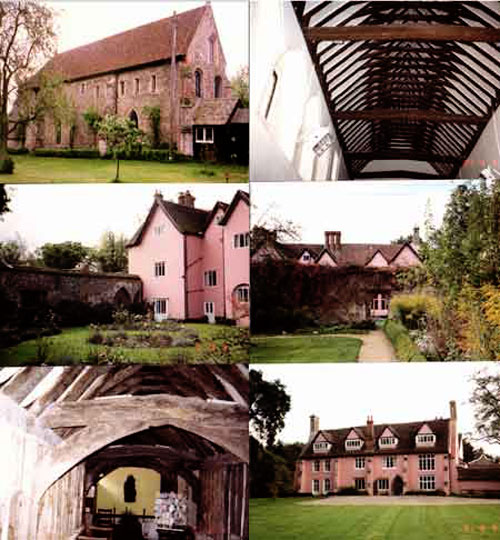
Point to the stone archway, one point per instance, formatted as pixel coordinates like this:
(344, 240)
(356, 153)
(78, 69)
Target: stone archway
(122, 297)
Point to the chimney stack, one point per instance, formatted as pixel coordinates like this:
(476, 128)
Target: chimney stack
(158, 196)
(453, 410)
(186, 199)
(416, 240)
(332, 240)
(370, 433)
(314, 426)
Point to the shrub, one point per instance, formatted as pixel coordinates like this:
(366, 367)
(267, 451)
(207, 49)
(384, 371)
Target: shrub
(95, 337)
(18, 151)
(67, 152)
(405, 348)
(411, 309)
(6, 166)
(73, 313)
(351, 491)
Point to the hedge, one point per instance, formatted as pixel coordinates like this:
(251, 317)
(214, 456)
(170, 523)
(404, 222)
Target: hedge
(405, 348)
(66, 152)
(145, 154)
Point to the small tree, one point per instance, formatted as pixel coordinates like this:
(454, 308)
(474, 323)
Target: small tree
(240, 86)
(120, 135)
(12, 252)
(154, 117)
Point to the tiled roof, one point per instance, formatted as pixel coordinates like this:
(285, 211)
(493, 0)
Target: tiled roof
(480, 469)
(142, 45)
(187, 220)
(241, 116)
(215, 112)
(406, 439)
(347, 255)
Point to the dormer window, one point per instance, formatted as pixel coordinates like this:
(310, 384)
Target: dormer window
(426, 439)
(387, 442)
(322, 446)
(353, 444)
(306, 257)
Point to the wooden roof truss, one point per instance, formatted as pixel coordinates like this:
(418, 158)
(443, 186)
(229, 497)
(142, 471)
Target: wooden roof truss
(410, 80)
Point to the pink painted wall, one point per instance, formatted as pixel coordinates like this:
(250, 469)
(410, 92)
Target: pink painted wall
(168, 247)
(378, 261)
(237, 262)
(194, 276)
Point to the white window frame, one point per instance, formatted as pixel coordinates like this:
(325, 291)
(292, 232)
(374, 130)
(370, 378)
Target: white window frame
(209, 308)
(425, 439)
(387, 441)
(426, 462)
(327, 489)
(210, 278)
(321, 446)
(306, 257)
(389, 462)
(243, 294)
(160, 308)
(241, 240)
(360, 463)
(427, 482)
(160, 269)
(385, 481)
(360, 484)
(317, 465)
(316, 486)
(204, 134)
(327, 466)
(353, 444)
(159, 230)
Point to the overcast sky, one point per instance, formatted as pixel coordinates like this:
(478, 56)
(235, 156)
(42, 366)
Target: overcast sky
(80, 23)
(343, 395)
(83, 212)
(365, 212)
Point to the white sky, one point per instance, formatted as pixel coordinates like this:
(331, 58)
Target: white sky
(82, 212)
(84, 22)
(365, 212)
(344, 395)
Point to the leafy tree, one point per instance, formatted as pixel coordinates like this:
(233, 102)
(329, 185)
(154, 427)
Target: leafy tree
(240, 86)
(470, 453)
(4, 200)
(403, 239)
(112, 253)
(486, 400)
(120, 135)
(154, 117)
(92, 119)
(269, 404)
(12, 252)
(64, 256)
(27, 38)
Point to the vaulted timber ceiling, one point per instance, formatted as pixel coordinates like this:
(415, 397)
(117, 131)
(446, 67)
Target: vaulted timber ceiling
(406, 81)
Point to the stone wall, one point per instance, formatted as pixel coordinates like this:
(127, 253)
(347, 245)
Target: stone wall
(30, 286)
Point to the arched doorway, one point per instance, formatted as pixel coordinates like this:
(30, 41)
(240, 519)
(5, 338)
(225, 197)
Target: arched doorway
(134, 118)
(122, 297)
(397, 486)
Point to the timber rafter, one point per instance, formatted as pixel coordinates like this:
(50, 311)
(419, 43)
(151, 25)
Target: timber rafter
(412, 81)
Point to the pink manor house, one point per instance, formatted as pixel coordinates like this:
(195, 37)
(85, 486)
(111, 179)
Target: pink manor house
(393, 459)
(194, 263)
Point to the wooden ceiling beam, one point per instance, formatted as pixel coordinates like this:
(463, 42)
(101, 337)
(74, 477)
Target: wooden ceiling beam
(409, 115)
(404, 32)
(415, 156)
(387, 175)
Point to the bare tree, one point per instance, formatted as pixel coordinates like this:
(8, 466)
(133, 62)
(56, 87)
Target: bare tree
(27, 39)
(486, 400)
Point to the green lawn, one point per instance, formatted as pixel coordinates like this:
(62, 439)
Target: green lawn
(72, 346)
(30, 169)
(305, 349)
(287, 519)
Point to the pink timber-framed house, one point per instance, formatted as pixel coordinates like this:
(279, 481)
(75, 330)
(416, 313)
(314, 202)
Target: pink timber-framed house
(382, 459)
(194, 263)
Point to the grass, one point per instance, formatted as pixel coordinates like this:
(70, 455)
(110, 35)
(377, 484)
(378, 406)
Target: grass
(72, 347)
(286, 519)
(30, 169)
(305, 349)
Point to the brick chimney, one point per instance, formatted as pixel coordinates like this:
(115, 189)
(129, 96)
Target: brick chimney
(186, 199)
(453, 448)
(158, 196)
(416, 240)
(332, 240)
(370, 434)
(313, 426)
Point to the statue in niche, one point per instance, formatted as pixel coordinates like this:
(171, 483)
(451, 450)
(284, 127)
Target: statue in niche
(129, 491)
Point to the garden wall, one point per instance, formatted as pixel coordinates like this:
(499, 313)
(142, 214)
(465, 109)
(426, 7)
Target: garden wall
(27, 287)
(288, 295)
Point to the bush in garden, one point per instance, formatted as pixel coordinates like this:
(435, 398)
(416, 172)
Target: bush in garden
(406, 349)
(413, 309)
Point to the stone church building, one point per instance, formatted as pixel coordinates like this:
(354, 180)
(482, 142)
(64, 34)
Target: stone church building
(176, 64)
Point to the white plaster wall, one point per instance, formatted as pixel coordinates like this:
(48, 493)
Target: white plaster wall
(281, 145)
(486, 152)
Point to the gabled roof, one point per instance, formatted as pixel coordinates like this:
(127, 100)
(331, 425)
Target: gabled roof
(240, 196)
(187, 220)
(145, 44)
(405, 433)
(217, 111)
(348, 254)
